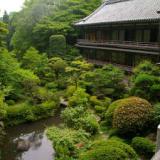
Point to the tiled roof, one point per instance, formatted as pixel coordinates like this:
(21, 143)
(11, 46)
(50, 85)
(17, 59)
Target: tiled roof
(114, 11)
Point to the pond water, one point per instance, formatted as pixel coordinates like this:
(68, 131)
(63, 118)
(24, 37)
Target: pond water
(40, 147)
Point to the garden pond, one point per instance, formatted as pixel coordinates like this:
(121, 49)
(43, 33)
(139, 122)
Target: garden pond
(39, 146)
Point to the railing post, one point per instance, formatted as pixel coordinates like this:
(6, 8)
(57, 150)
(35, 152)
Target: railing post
(158, 139)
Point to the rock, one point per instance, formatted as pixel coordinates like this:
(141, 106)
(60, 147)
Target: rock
(23, 145)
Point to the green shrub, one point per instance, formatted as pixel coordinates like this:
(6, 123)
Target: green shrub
(89, 124)
(10, 102)
(45, 109)
(41, 94)
(144, 86)
(112, 149)
(107, 81)
(52, 85)
(24, 112)
(70, 91)
(143, 147)
(35, 61)
(71, 116)
(2, 107)
(78, 118)
(155, 91)
(146, 80)
(156, 113)
(18, 113)
(132, 115)
(106, 102)
(67, 142)
(100, 109)
(57, 44)
(100, 106)
(146, 67)
(95, 101)
(79, 98)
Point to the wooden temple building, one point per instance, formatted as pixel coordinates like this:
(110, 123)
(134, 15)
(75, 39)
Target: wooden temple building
(122, 32)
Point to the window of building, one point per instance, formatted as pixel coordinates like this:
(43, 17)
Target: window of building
(139, 35)
(99, 37)
(129, 35)
(146, 37)
(154, 35)
(121, 35)
(115, 35)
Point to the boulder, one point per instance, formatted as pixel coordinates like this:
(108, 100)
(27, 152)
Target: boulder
(23, 145)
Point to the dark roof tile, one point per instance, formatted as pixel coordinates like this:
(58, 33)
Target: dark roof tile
(113, 11)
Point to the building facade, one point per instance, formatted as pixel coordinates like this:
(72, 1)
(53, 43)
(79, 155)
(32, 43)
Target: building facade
(122, 32)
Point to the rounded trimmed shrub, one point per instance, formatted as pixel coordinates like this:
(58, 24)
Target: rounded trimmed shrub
(57, 44)
(143, 146)
(113, 149)
(132, 115)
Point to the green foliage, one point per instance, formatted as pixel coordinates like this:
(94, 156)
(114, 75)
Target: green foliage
(44, 30)
(72, 52)
(78, 118)
(19, 80)
(35, 61)
(41, 94)
(57, 65)
(76, 69)
(94, 101)
(132, 115)
(25, 20)
(112, 149)
(70, 91)
(90, 123)
(146, 80)
(156, 113)
(2, 106)
(67, 142)
(110, 112)
(3, 33)
(100, 106)
(71, 116)
(25, 112)
(146, 67)
(57, 45)
(107, 81)
(79, 98)
(143, 147)
(40, 19)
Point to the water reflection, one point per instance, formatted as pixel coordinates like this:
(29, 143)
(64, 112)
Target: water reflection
(40, 148)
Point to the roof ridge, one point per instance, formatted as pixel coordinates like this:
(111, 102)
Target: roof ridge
(101, 6)
(114, 1)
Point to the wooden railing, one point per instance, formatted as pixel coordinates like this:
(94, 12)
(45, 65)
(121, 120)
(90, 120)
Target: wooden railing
(121, 44)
